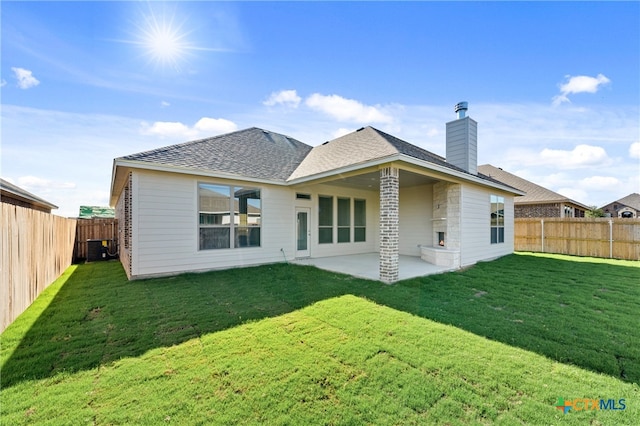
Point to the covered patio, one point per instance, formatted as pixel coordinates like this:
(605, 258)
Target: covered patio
(367, 266)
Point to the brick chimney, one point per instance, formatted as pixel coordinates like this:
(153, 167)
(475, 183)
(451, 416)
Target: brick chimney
(462, 140)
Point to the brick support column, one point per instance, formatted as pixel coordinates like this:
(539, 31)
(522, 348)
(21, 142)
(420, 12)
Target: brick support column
(389, 224)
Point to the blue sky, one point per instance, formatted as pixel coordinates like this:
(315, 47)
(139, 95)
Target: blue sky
(555, 87)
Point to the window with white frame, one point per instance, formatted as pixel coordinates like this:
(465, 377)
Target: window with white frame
(325, 219)
(228, 216)
(359, 220)
(344, 220)
(497, 219)
(348, 225)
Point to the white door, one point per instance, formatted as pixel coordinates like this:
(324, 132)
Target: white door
(303, 232)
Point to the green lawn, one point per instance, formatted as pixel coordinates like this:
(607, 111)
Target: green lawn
(285, 344)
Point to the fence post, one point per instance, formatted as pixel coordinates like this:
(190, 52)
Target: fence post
(610, 238)
(542, 234)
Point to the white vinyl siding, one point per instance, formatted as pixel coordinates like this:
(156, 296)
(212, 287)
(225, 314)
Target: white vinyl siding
(372, 202)
(166, 227)
(415, 218)
(475, 224)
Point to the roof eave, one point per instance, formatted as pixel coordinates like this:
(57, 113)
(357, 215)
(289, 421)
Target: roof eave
(342, 170)
(407, 159)
(34, 201)
(460, 175)
(132, 164)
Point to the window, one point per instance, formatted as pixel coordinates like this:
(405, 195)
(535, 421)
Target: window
(218, 226)
(350, 221)
(344, 220)
(497, 219)
(300, 196)
(359, 220)
(325, 219)
(247, 219)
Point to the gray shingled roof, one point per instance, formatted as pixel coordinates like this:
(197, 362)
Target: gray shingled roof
(534, 192)
(363, 145)
(251, 152)
(631, 200)
(258, 153)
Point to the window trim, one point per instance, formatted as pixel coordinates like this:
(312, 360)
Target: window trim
(357, 227)
(497, 227)
(342, 227)
(235, 215)
(325, 227)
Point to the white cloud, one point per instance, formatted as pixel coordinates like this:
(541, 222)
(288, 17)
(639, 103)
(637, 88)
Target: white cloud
(634, 150)
(287, 98)
(343, 109)
(166, 129)
(597, 183)
(579, 84)
(25, 78)
(581, 156)
(215, 125)
(206, 126)
(164, 104)
(35, 183)
(573, 193)
(3, 83)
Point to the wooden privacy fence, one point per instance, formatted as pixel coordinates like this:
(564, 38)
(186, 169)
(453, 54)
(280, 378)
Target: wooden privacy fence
(598, 237)
(95, 229)
(36, 249)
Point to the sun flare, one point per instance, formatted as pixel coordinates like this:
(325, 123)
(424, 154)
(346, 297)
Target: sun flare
(163, 40)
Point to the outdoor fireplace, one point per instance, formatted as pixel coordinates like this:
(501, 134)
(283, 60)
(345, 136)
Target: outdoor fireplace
(438, 253)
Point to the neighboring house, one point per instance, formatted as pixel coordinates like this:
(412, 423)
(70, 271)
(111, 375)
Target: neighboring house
(628, 206)
(96, 212)
(12, 194)
(254, 197)
(538, 201)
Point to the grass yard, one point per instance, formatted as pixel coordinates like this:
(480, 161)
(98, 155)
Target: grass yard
(498, 343)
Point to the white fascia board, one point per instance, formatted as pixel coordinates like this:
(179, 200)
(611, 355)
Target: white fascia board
(189, 171)
(460, 175)
(410, 160)
(345, 169)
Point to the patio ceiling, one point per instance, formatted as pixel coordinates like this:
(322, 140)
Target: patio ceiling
(371, 181)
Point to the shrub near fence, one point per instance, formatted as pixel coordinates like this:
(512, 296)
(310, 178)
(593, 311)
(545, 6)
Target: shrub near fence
(36, 249)
(598, 237)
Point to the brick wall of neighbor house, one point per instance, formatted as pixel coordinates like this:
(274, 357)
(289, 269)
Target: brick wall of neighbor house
(537, 210)
(123, 214)
(389, 224)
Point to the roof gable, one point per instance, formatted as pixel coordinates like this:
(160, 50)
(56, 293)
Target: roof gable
(361, 146)
(357, 147)
(247, 153)
(631, 200)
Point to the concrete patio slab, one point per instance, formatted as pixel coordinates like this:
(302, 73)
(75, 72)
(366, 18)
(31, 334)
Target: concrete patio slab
(368, 266)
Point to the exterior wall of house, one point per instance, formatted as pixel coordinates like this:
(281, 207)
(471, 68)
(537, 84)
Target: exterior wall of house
(7, 198)
(475, 225)
(371, 243)
(416, 226)
(538, 210)
(161, 216)
(124, 215)
(165, 226)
